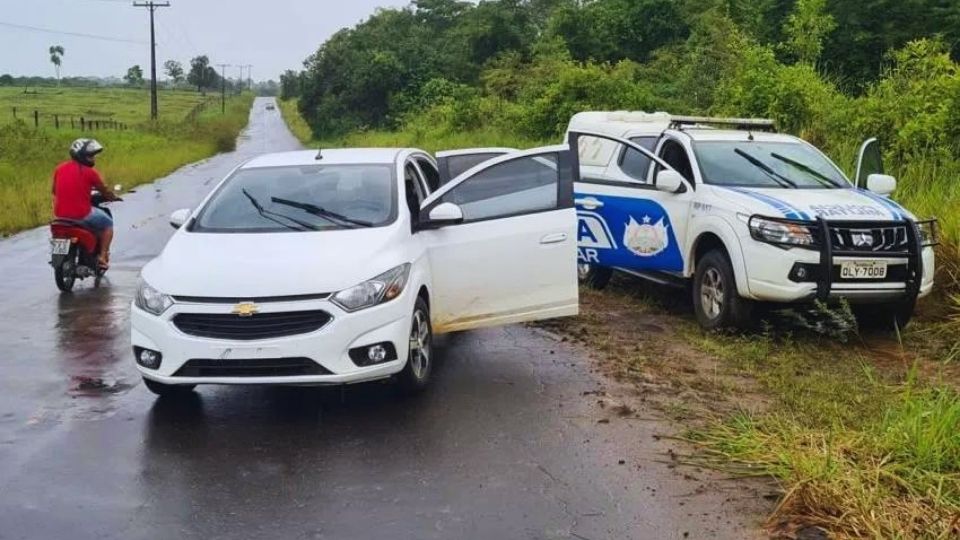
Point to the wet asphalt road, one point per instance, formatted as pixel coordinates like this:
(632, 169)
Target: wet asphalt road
(506, 444)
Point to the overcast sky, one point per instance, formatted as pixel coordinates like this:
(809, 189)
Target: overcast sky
(273, 35)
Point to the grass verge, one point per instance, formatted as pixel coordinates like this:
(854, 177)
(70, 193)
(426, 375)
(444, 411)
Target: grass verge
(132, 157)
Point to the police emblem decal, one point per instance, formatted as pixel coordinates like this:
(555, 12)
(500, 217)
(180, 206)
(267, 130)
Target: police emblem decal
(646, 240)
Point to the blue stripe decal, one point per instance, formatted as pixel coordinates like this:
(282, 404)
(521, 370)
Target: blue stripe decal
(789, 212)
(892, 207)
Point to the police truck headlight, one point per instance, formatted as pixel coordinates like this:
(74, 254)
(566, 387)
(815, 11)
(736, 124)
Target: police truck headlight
(152, 300)
(778, 232)
(378, 290)
(929, 234)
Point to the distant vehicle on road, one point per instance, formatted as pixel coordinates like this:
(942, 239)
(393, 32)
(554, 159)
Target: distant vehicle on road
(270, 106)
(339, 267)
(743, 215)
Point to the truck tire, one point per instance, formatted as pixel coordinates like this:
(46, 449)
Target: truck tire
(886, 317)
(593, 276)
(716, 302)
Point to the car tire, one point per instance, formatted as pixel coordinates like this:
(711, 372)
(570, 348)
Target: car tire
(593, 276)
(415, 376)
(164, 390)
(717, 303)
(886, 317)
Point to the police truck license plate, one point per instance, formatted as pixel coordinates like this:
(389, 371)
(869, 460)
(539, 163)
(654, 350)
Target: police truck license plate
(863, 270)
(60, 246)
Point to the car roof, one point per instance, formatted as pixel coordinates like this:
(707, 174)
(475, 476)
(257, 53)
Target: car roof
(333, 156)
(709, 134)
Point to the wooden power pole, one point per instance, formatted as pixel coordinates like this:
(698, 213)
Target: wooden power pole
(152, 6)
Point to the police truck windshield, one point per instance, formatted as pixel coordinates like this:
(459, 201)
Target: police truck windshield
(783, 165)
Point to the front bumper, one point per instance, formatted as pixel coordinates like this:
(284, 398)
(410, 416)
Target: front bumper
(329, 346)
(769, 268)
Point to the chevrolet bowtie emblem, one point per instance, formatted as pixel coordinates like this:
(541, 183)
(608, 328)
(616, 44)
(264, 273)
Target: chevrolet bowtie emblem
(245, 309)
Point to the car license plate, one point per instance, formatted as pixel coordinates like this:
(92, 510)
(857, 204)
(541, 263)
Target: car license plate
(60, 246)
(863, 270)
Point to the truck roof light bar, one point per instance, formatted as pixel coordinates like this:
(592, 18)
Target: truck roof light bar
(746, 124)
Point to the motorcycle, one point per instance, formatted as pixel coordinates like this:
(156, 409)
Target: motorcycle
(75, 249)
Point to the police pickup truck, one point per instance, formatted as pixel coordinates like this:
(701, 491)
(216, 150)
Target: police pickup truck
(741, 215)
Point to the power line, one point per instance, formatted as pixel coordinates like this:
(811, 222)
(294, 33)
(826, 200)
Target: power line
(67, 33)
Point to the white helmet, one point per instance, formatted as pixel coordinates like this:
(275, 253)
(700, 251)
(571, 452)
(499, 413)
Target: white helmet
(83, 150)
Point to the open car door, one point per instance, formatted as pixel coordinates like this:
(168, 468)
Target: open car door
(501, 239)
(453, 163)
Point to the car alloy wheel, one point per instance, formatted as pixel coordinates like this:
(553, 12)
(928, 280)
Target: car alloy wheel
(420, 354)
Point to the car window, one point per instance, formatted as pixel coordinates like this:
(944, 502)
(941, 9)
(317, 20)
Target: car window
(636, 164)
(430, 174)
(676, 156)
(314, 197)
(523, 185)
(457, 165)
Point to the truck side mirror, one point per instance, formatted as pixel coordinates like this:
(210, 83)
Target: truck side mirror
(668, 181)
(881, 184)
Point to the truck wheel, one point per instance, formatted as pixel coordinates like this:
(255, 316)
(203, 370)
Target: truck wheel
(164, 390)
(887, 317)
(416, 374)
(716, 302)
(593, 276)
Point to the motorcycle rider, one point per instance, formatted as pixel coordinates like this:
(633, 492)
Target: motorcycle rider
(72, 182)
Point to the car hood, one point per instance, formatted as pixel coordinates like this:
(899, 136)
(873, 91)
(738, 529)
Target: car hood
(272, 264)
(832, 204)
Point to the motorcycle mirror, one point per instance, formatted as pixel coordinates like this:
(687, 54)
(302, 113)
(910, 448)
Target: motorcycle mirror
(118, 188)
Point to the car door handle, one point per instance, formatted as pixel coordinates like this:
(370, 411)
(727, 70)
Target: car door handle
(589, 203)
(554, 238)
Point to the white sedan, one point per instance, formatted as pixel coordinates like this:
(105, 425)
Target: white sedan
(339, 267)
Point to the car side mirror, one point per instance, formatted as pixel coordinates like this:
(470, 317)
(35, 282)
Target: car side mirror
(444, 214)
(668, 181)
(178, 218)
(881, 184)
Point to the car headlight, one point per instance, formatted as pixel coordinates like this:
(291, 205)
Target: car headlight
(152, 300)
(929, 232)
(778, 232)
(378, 290)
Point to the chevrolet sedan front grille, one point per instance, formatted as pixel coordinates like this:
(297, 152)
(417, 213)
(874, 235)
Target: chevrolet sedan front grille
(251, 327)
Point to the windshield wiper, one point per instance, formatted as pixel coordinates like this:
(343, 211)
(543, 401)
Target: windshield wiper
(780, 179)
(807, 169)
(267, 214)
(322, 212)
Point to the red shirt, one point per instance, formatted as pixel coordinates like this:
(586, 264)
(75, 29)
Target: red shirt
(72, 183)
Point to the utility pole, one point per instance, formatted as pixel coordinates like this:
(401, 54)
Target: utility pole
(240, 81)
(249, 76)
(152, 6)
(223, 88)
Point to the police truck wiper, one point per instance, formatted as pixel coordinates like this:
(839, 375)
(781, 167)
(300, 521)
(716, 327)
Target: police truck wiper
(268, 214)
(807, 169)
(778, 178)
(322, 212)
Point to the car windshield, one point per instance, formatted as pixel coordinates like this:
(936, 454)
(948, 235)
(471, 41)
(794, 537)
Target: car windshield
(302, 198)
(787, 165)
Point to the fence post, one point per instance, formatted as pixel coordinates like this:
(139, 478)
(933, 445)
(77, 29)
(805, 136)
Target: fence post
(14, 113)
(56, 121)
(72, 126)
(36, 118)
(83, 124)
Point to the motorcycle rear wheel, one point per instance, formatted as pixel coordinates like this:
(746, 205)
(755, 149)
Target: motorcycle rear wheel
(65, 273)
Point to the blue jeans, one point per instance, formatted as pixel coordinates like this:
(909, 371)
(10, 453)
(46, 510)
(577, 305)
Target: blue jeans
(97, 220)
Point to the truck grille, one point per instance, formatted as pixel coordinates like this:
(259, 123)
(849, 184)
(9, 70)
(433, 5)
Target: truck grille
(257, 326)
(259, 367)
(881, 238)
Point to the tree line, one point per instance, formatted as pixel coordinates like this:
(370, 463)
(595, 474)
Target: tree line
(400, 60)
